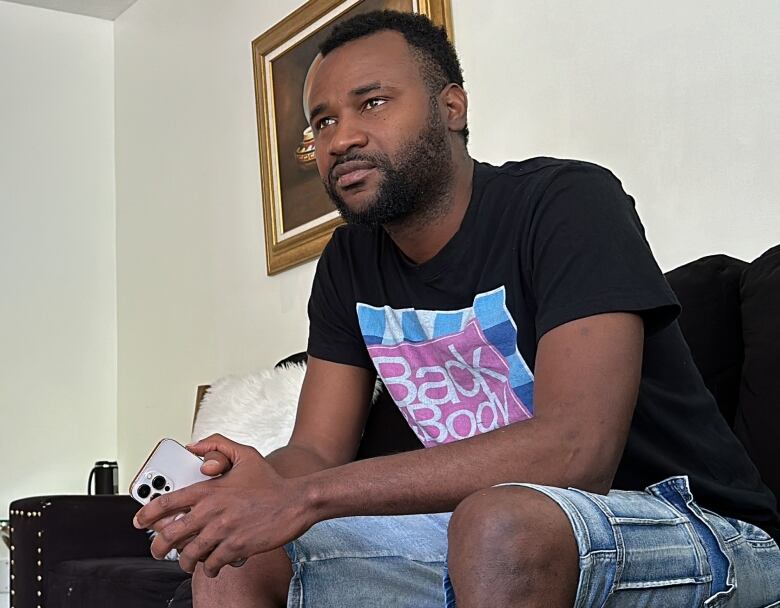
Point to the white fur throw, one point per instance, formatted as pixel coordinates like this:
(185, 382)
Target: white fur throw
(257, 409)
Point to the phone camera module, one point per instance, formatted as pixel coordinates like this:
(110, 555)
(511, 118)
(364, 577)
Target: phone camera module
(158, 483)
(143, 490)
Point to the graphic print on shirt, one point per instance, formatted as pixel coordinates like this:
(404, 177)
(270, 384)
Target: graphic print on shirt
(453, 374)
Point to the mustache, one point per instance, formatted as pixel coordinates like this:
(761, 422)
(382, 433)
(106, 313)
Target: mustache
(378, 160)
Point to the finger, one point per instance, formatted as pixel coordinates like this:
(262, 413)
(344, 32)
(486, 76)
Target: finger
(215, 463)
(160, 524)
(183, 545)
(165, 505)
(177, 533)
(224, 553)
(159, 548)
(218, 443)
(197, 549)
(214, 443)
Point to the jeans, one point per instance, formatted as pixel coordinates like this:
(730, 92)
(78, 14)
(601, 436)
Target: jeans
(655, 548)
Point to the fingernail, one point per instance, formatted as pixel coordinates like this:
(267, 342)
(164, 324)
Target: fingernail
(212, 462)
(135, 522)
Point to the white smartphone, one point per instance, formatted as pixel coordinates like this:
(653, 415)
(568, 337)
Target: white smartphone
(169, 467)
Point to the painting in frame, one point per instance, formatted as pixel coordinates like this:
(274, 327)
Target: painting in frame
(299, 217)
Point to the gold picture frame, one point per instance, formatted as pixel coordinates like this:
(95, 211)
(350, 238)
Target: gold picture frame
(297, 213)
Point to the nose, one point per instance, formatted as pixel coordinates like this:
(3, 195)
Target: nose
(347, 134)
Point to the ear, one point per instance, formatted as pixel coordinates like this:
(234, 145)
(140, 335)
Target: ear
(456, 103)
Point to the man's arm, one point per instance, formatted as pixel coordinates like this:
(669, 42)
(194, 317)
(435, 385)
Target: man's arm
(332, 411)
(586, 383)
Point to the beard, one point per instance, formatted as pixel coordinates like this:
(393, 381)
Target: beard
(414, 184)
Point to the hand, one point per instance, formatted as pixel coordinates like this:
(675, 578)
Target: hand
(214, 465)
(249, 509)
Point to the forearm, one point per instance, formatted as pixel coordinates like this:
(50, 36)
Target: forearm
(295, 461)
(437, 479)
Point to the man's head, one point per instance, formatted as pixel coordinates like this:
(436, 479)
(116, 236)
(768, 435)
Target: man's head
(438, 61)
(389, 115)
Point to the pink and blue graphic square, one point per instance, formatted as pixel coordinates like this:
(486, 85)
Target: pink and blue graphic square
(388, 327)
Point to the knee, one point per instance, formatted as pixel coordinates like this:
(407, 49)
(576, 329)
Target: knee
(205, 588)
(262, 580)
(509, 525)
(209, 590)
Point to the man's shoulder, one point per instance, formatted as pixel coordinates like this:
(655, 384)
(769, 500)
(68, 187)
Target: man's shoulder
(525, 185)
(539, 167)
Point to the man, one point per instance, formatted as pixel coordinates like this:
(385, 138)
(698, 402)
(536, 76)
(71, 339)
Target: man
(519, 321)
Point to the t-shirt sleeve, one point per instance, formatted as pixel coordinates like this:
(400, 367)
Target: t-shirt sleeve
(334, 332)
(588, 254)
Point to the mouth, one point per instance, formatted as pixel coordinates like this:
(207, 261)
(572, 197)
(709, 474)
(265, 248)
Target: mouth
(351, 173)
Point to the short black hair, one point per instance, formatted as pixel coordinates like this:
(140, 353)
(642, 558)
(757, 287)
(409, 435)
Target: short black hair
(438, 60)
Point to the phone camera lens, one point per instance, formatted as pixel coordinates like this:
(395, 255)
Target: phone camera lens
(155, 495)
(158, 483)
(143, 490)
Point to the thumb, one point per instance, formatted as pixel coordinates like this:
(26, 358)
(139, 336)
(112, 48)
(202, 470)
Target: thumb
(215, 463)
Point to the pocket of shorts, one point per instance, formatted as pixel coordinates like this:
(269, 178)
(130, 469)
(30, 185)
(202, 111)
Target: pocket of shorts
(753, 535)
(734, 530)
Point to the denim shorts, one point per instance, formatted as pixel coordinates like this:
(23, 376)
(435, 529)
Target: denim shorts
(655, 548)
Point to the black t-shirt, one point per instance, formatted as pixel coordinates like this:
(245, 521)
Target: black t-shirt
(543, 242)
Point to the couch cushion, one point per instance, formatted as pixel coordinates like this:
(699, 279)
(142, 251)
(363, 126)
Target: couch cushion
(119, 582)
(183, 596)
(758, 415)
(708, 290)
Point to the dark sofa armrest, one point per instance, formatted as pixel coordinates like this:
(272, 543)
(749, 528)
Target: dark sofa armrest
(46, 530)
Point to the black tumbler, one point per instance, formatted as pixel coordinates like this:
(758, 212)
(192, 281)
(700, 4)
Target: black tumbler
(105, 473)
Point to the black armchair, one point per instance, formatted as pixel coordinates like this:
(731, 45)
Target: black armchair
(84, 551)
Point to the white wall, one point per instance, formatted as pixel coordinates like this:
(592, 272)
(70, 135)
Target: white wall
(194, 299)
(57, 251)
(679, 99)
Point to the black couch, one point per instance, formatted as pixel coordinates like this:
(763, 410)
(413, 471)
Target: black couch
(82, 552)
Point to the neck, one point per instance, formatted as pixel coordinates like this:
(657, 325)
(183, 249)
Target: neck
(422, 236)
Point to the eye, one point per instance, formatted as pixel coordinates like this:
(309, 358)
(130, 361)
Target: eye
(320, 124)
(374, 102)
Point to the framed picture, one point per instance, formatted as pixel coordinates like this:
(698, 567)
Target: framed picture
(299, 217)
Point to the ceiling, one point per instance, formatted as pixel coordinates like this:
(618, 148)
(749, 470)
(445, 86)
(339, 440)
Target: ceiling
(104, 9)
